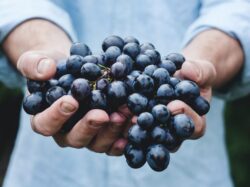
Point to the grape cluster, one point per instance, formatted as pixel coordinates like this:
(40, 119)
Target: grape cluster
(130, 73)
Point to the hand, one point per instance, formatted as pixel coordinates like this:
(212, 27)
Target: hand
(203, 73)
(96, 130)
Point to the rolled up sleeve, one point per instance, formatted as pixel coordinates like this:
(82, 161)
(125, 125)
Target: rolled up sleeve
(233, 18)
(15, 12)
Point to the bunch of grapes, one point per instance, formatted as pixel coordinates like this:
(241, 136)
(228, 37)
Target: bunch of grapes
(130, 73)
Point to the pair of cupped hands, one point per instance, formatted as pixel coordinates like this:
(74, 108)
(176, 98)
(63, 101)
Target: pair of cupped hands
(97, 130)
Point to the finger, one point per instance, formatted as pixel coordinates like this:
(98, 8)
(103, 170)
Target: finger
(108, 135)
(36, 65)
(112, 132)
(117, 148)
(179, 107)
(201, 72)
(85, 130)
(51, 120)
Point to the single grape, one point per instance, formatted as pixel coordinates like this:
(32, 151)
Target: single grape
(111, 54)
(161, 76)
(54, 93)
(146, 120)
(200, 105)
(161, 113)
(132, 50)
(182, 126)
(187, 90)
(165, 94)
(123, 58)
(176, 58)
(90, 59)
(146, 46)
(102, 84)
(118, 70)
(169, 66)
(98, 100)
(74, 64)
(112, 41)
(91, 71)
(65, 81)
(137, 103)
(61, 68)
(80, 89)
(149, 70)
(34, 103)
(144, 84)
(35, 86)
(158, 157)
(81, 49)
(142, 61)
(130, 39)
(135, 156)
(154, 55)
(173, 81)
(137, 135)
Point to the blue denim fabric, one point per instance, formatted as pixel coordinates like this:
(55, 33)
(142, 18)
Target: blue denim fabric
(37, 161)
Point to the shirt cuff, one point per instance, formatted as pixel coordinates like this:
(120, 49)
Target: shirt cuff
(234, 21)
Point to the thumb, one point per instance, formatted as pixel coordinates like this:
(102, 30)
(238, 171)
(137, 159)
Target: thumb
(200, 71)
(36, 65)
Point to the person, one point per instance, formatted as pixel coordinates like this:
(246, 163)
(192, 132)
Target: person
(214, 37)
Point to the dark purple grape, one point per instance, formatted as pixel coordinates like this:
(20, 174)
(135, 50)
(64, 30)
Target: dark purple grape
(146, 46)
(81, 49)
(161, 113)
(61, 68)
(91, 71)
(151, 104)
(176, 58)
(101, 59)
(98, 100)
(52, 82)
(118, 70)
(126, 60)
(144, 84)
(168, 65)
(154, 55)
(142, 61)
(159, 135)
(34, 103)
(112, 41)
(165, 94)
(137, 135)
(130, 39)
(65, 81)
(90, 59)
(137, 103)
(111, 54)
(129, 81)
(54, 93)
(117, 94)
(35, 86)
(200, 105)
(158, 157)
(149, 70)
(173, 81)
(187, 90)
(135, 156)
(132, 50)
(80, 89)
(161, 76)
(146, 120)
(182, 126)
(102, 84)
(74, 64)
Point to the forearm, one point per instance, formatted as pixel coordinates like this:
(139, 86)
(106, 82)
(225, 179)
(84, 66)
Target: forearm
(223, 51)
(36, 35)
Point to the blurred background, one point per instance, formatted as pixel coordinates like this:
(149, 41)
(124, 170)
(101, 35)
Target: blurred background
(236, 114)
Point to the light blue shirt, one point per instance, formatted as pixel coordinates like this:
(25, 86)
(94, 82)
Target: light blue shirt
(38, 162)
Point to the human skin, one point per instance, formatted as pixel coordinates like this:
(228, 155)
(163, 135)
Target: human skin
(212, 60)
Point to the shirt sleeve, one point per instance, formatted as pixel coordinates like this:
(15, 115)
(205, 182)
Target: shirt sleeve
(233, 18)
(15, 12)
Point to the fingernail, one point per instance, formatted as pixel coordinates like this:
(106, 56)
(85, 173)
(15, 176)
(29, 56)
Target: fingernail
(67, 107)
(44, 66)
